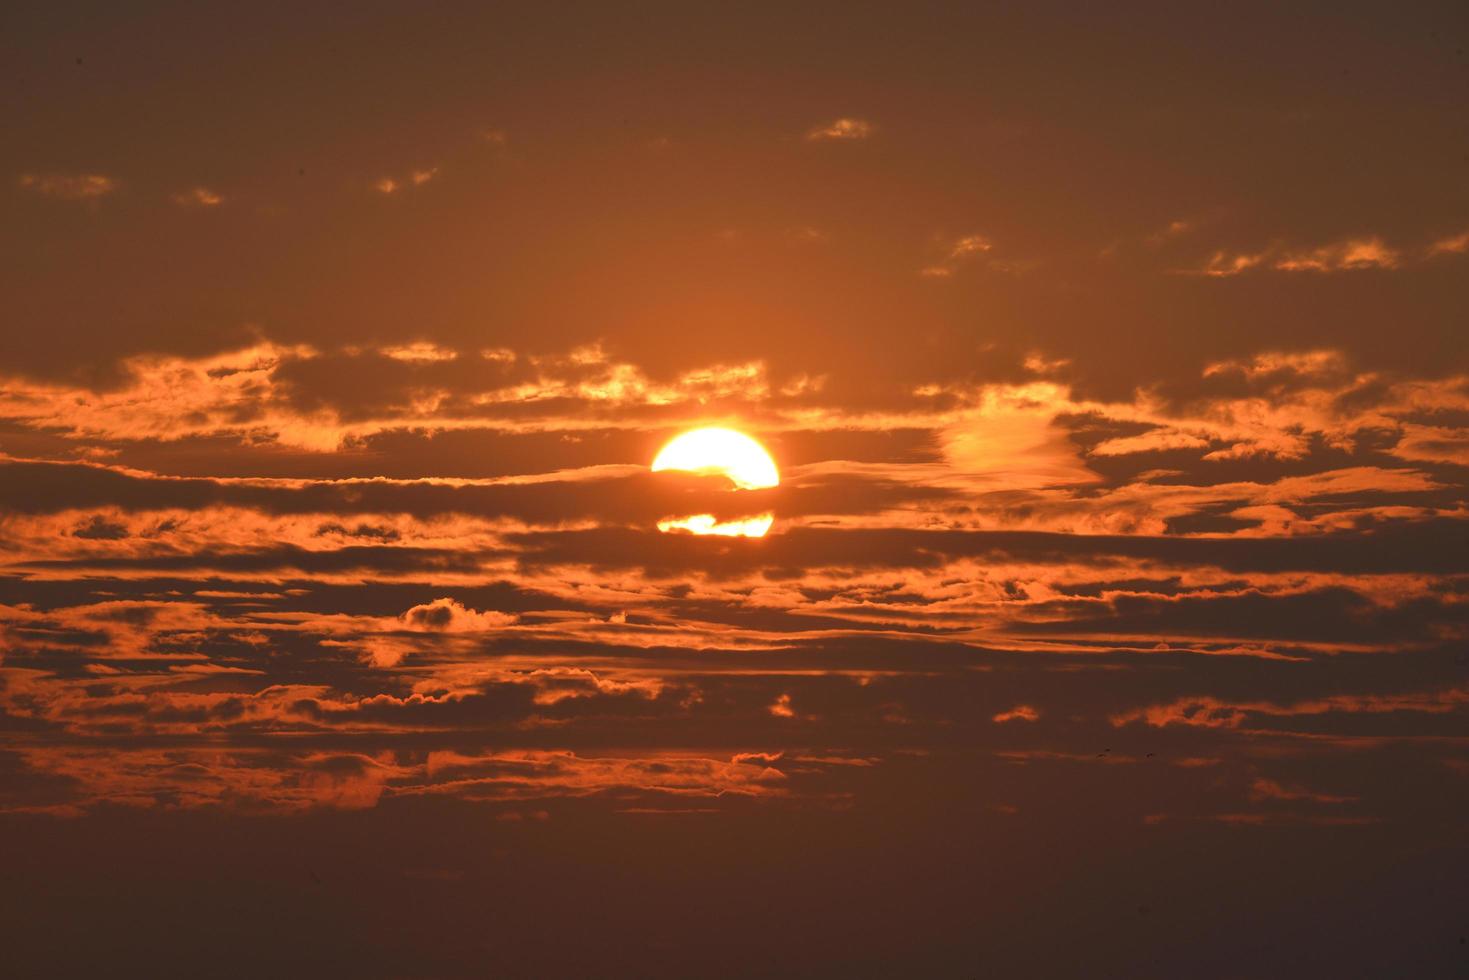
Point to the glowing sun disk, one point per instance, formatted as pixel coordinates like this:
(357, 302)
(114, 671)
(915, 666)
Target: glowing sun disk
(725, 451)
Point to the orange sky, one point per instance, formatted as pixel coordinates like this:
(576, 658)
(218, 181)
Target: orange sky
(1112, 361)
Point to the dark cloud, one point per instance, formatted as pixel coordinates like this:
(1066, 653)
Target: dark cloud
(1416, 547)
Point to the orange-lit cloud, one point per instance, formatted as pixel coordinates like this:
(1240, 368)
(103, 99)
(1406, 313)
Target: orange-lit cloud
(845, 128)
(201, 197)
(446, 615)
(413, 178)
(70, 187)
(1345, 255)
(421, 351)
(1354, 253)
(1208, 712)
(1451, 245)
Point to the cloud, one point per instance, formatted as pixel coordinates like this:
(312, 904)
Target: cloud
(1452, 245)
(968, 248)
(449, 616)
(540, 774)
(1174, 229)
(307, 398)
(1153, 441)
(70, 187)
(1275, 404)
(414, 178)
(1210, 712)
(1308, 363)
(1279, 405)
(942, 561)
(200, 197)
(844, 128)
(1355, 253)
(100, 528)
(1224, 264)
(970, 245)
(419, 352)
(1269, 789)
(193, 778)
(1433, 444)
(1346, 255)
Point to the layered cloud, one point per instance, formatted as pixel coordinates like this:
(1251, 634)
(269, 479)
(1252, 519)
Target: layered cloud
(1011, 559)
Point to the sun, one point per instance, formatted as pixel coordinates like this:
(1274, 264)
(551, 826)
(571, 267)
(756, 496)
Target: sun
(734, 455)
(724, 451)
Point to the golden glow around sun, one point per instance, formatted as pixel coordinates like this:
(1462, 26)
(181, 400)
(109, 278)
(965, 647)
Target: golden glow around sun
(713, 450)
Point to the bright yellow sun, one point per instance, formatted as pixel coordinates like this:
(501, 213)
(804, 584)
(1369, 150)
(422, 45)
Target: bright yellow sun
(713, 450)
(725, 451)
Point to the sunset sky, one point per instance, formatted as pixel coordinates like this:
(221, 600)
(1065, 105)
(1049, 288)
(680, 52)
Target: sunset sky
(1110, 614)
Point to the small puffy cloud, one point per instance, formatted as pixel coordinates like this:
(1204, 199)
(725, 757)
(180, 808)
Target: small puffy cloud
(556, 684)
(1038, 363)
(69, 187)
(1453, 245)
(381, 651)
(448, 616)
(959, 250)
(970, 245)
(781, 708)
(415, 178)
(198, 197)
(1174, 229)
(841, 129)
(1021, 712)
